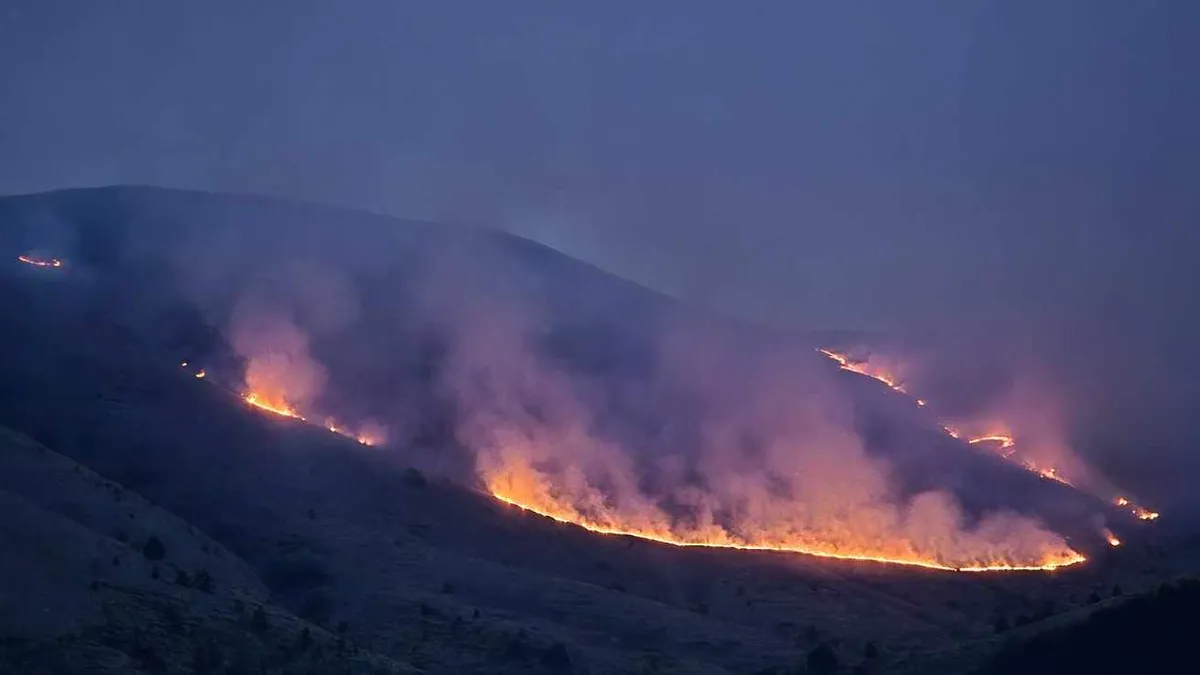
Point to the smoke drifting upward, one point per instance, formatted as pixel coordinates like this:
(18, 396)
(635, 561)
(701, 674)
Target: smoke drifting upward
(734, 447)
(280, 372)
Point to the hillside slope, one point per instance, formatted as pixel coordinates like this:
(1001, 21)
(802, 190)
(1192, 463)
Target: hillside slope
(98, 579)
(418, 567)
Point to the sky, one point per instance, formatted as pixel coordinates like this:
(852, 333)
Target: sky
(1016, 171)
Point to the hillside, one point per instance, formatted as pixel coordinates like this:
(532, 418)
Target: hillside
(399, 546)
(98, 579)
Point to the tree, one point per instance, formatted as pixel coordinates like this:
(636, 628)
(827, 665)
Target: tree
(1001, 624)
(258, 622)
(154, 549)
(822, 660)
(203, 581)
(871, 651)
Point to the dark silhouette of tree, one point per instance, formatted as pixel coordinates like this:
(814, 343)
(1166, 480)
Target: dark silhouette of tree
(1001, 624)
(1154, 632)
(203, 582)
(154, 549)
(871, 651)
(822, 660)
(258, 622)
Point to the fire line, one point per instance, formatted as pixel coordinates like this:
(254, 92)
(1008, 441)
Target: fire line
(1063, 560)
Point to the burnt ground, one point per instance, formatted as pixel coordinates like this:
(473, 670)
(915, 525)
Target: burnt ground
(392, 570)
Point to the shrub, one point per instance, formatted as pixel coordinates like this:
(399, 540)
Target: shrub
(822, 660)
(154, 549)
(258, 622)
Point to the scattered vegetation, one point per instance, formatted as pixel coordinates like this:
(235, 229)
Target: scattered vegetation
(154, 550)
(1150, 633)
(822, 660)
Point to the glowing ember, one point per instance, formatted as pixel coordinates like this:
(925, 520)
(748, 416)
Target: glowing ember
(39, 262)
(921, 402)
(274, 405)
(1139, 512)
(1144, 514)
(1004, 440)
(716, 538)
(1111, 538)
(200, 374)
(865, 368)
(951, 431)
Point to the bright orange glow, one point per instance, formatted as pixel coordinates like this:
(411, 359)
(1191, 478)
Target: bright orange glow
(1004, 440)
(951, 431)
(39, 262)
(921, 402)
(1144, 514)
(1139, 512)
(200, 374)
(524, 490)
(270, 404)
(1111, 538)
(865, 368)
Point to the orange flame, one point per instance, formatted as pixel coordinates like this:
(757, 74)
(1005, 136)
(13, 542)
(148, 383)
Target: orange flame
(1111, 538)
(1004, 440)
(200, 374)
(866, 369)
(39, 262)
(272, 404)
(1144, 514)
(1139, 512)
(515, 482)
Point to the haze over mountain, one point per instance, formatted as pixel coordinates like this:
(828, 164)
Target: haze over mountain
(1011, 177)
(472, 353)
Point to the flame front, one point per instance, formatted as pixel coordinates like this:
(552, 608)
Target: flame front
(1002, 441)
(526, 489)
(274, 404)
(40, 262)
(1111, 538)
(865, 368)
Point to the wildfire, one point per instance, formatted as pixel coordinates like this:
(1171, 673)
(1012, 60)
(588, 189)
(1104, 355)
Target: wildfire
(1051, 560)
(1111, 538)
(1139, 512)
(865, 368)
(1004, 440)
(270, 404)
(1005, 443)
(1144, 514)
(527, 489)
(40, 262)
(200, 374)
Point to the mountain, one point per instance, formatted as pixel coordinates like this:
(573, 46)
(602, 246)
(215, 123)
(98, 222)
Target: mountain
(395, 554)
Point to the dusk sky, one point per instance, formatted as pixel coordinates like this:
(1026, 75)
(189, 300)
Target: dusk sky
(1018, 170)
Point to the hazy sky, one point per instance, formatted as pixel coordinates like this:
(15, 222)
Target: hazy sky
(1018, 168)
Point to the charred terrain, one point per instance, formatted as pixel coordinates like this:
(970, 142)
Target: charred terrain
(154, 521)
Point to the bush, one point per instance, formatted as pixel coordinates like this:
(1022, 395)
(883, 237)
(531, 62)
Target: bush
(822, 660)
(871, 651)
(154, 549)
(258, 622)
(1001, 624)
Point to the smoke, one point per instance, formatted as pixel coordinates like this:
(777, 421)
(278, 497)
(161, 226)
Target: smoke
(279, 367)
(735, 446)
